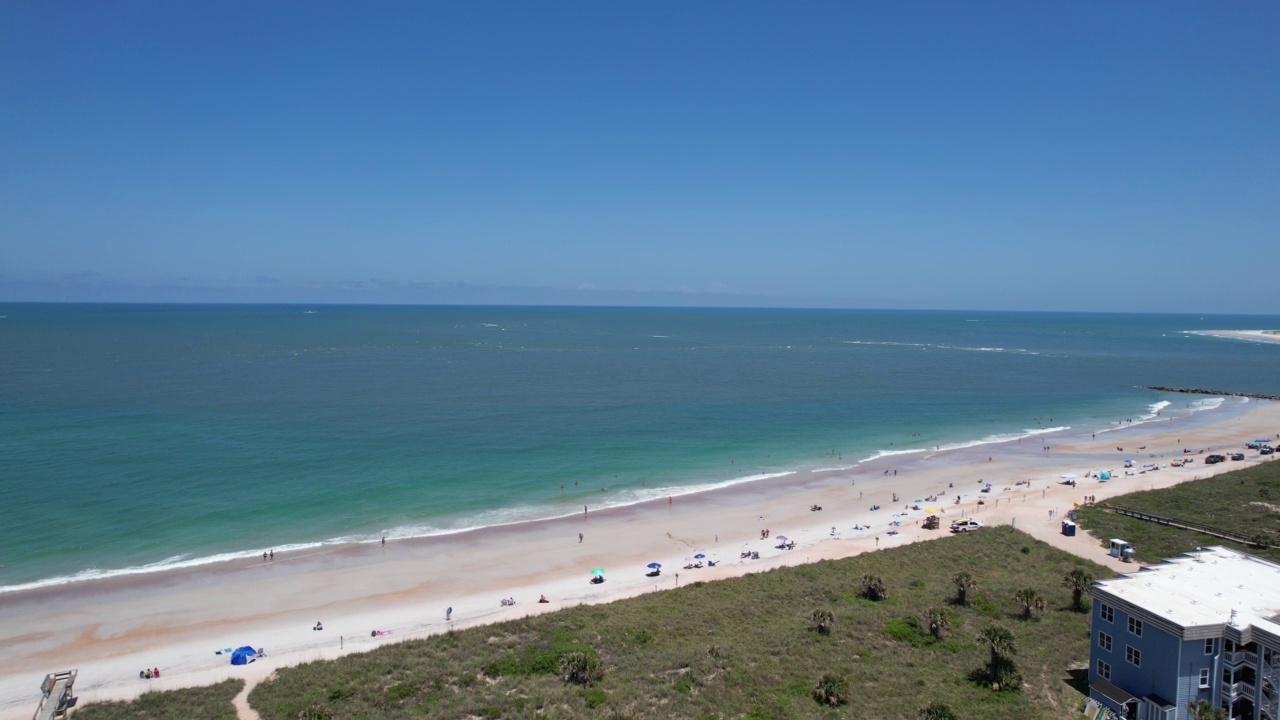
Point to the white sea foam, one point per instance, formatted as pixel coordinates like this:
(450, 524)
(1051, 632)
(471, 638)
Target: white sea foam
(936, 346)
(1253, 336)
(988, 440)
(489, 519)
(177, 562)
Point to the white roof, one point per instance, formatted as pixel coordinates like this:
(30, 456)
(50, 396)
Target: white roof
(1204, 587)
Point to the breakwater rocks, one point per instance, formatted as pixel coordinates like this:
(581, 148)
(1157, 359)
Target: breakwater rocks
(1200, 391)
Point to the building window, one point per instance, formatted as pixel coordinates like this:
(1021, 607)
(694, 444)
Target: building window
(1204, 678)
(1135, 626)
(1105, 612)
(1104, 641)
(1133, 655)
(1104, 670)
(1208, 646)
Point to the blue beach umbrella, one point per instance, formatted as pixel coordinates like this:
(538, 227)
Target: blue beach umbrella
(598, 571)
(699, 556)
(654, 566)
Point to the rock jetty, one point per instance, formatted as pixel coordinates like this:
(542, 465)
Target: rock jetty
(1200, 391)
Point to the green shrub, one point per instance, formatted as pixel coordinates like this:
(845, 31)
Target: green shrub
(907, 630)
(401, 691)
(596, 697)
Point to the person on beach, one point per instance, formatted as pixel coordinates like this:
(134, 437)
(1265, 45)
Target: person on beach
(318, 626)
(155, 673)
(448, 613)
(272, 553)
(579, 538)
(543, 599)
(264, 556)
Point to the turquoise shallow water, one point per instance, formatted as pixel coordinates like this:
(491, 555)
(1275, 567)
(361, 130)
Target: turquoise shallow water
(142, 437)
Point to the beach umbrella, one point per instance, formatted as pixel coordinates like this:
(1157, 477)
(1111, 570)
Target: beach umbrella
(699, 556)
(598, 571)
(654, 566)
(781, 537)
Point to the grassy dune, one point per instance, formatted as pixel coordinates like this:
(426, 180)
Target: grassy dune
(744, 647)
(740, 648)
(212, 702)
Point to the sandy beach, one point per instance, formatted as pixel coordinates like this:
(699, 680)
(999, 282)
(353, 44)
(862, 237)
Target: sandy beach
(179, 621)
(1268, 336)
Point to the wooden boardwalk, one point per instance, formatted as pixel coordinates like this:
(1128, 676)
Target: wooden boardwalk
(1184, 524)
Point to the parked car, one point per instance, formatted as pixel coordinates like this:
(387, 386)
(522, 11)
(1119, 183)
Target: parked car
(1266, 450)
(1211, 459)
(1237, 456)
(960, 526)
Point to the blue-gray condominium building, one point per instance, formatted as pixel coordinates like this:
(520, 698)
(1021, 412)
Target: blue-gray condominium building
(1201, 626)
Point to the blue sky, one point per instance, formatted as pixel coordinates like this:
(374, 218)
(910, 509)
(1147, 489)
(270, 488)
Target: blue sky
(1115, 156)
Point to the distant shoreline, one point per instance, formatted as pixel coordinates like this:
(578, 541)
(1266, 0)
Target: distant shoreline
(1265, 336)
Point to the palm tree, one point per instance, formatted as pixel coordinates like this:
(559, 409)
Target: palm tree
(964, 582)
(873, 588)
(1029, 600)
(581, 667)
(936, 620)
(822, 620)
(1079, 581)
(1000, 643)
(1205, 710)
(831, 690)
(937, 711)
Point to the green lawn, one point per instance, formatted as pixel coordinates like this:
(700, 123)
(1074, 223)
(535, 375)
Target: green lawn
(1245, 501)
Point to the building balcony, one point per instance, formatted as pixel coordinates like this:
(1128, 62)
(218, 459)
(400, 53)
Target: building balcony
(1240, 656)
(1239, 690)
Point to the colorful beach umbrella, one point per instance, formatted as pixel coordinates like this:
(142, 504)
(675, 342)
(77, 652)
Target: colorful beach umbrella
(598, 571)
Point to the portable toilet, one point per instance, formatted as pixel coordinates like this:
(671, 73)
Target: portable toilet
(1068, 528)
(1119, 548)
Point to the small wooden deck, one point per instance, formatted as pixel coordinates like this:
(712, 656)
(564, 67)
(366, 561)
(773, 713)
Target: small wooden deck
(58, 698)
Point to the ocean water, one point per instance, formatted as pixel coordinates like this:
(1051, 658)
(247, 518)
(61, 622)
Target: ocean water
(140, 438)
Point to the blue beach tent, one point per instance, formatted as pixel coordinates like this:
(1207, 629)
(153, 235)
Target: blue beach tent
(243, 655)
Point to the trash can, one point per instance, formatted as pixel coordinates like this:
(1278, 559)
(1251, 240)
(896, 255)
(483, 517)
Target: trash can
(1068, 528)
